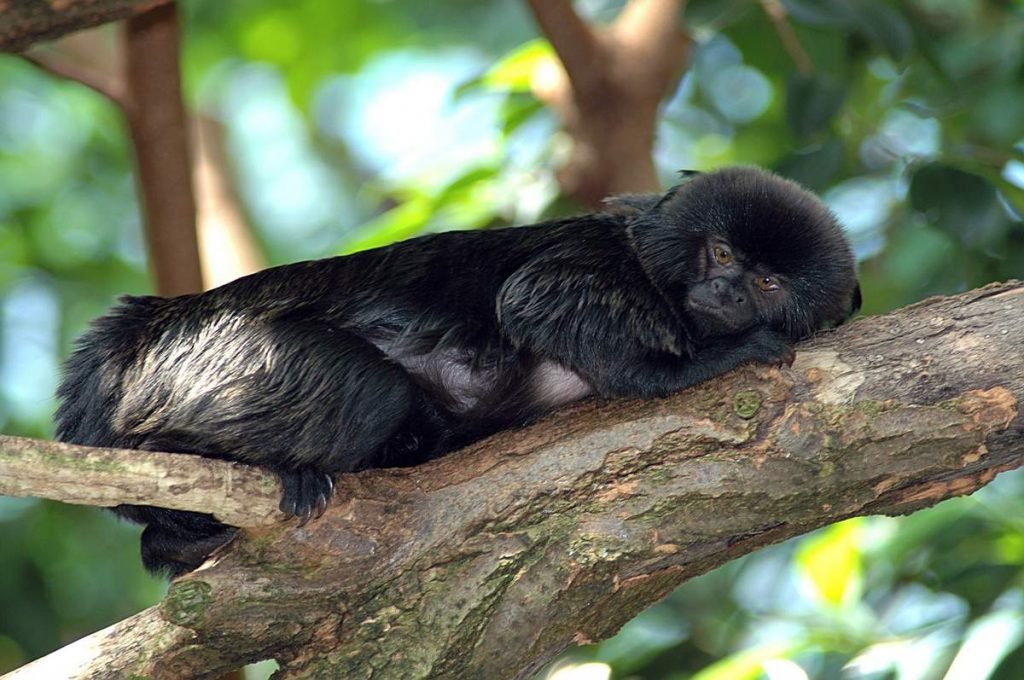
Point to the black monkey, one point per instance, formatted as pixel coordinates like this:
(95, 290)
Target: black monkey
(397, 355)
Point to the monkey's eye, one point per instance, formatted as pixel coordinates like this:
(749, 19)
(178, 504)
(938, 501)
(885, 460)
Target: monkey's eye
(767, 283)
(722, 256)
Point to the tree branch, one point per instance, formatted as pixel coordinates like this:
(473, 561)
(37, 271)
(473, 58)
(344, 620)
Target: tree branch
(159, 132)
(514, 548)
(228, 249)
(150, 631)
(777, 14)
(24, 22)
(646, 28)
(570, 37)
(613, 82)
(239, 495)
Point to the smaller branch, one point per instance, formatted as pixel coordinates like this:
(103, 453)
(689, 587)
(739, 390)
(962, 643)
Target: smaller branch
(141, 646)
(226, 244)
(572, 39)
(236, 494)
(651, 32)
(159, 131)
(780, 20)
(103, 84)
(24, 22)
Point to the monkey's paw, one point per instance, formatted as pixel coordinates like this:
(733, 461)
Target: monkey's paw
(771, 347)
(786, 357)
(307, 491)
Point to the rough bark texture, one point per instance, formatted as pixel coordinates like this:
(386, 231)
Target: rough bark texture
(486, 563)
(237, 494)
(23, 22)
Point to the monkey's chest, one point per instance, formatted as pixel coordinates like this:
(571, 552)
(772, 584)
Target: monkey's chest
(553, 386)
(512, 386)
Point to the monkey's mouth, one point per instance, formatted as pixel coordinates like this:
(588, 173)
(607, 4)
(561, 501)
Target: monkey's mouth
(712, 319)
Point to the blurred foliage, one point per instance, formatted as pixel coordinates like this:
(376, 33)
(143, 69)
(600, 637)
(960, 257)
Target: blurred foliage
(353, 124)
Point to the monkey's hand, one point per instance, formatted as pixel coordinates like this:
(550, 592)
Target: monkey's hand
(766, 346)
(307, 491)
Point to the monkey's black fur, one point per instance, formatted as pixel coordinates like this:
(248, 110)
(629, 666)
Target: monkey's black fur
(397, 355)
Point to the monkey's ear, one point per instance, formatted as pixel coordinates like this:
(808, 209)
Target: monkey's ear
(855, 300)
(637, 204)
(666, 197)
(685, 177)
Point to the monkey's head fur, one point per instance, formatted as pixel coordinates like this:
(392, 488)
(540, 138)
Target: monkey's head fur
(741, 247)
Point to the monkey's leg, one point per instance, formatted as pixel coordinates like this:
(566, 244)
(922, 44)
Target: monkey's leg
(175, 541)
(185, 544)
(323, 401)
(314, 401)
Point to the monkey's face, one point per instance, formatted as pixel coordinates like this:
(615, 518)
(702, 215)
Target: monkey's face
(731, 293)
(740, 248)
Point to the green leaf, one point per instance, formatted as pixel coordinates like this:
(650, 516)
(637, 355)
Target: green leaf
(961, 204)
(831, 562)
(401, 222)
(464, 184)
(884, 26)
(713, 15)
(748, 664)
(819, 12)
(817, 167)
(470, 86)
(812, 101)
(997, 115)
(517, 108)
(1013, 195)
(876, 20)
(514, 72)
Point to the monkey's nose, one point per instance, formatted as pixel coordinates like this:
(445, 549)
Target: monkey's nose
(725, 293)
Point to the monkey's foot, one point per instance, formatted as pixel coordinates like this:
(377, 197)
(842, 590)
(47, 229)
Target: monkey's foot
(179, 548)
(306, 492)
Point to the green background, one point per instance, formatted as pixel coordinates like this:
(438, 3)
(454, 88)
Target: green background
(353, 124)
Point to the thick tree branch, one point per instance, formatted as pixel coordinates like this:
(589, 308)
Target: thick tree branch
(159, 131)
(510, 550)
(24, 22)
(608, 95)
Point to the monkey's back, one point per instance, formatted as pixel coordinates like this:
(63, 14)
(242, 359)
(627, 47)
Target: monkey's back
(184, 364)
